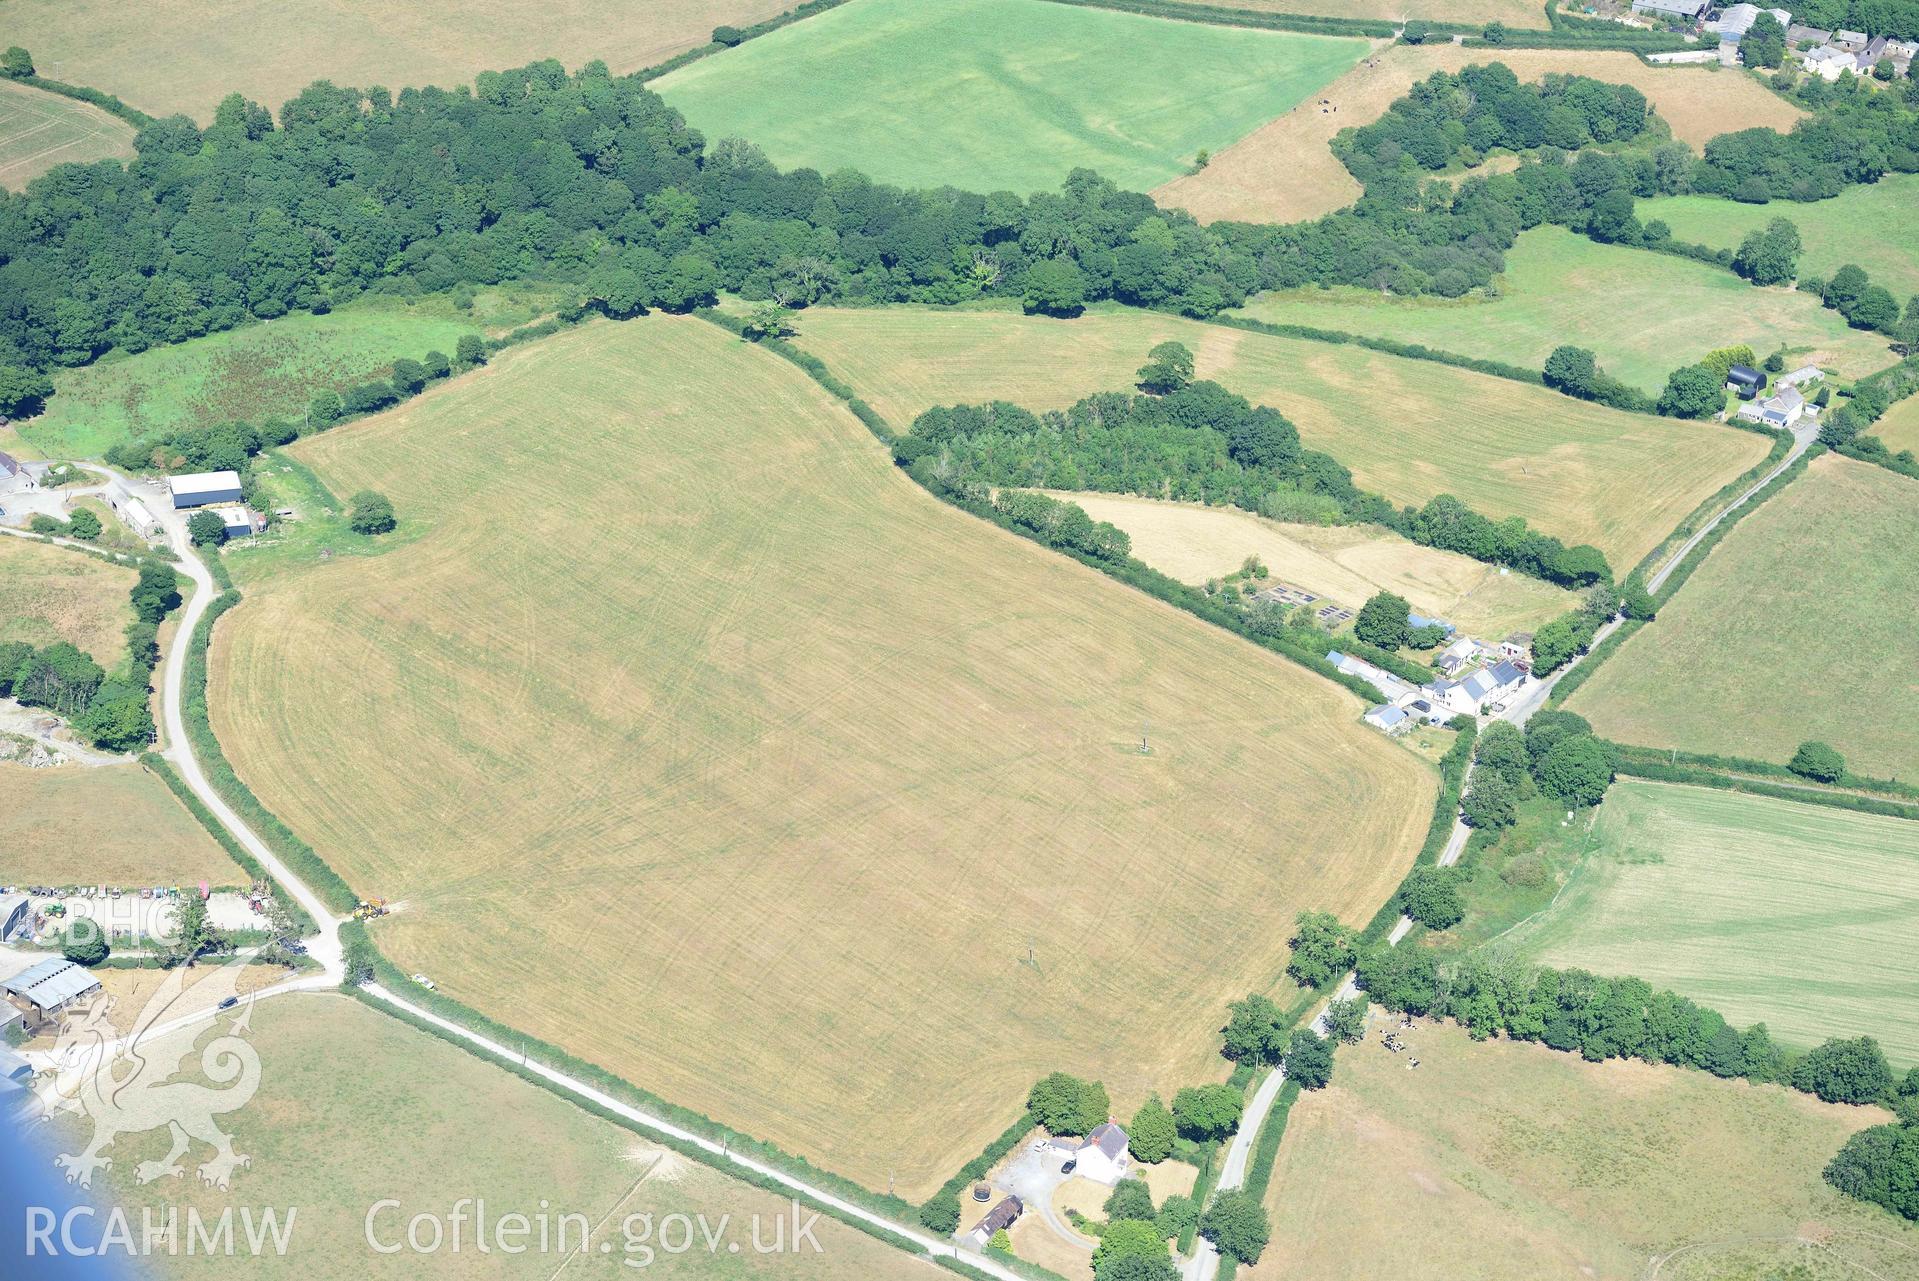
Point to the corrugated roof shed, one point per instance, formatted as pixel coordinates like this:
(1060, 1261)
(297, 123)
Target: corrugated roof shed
(51, 983)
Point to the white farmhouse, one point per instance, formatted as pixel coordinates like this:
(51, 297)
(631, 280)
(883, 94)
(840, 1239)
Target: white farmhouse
(1102, 1155)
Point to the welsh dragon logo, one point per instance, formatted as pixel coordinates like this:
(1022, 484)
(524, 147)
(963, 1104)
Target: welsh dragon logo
(125, 1083)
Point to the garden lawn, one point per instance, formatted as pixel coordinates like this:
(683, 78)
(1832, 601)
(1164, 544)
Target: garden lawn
(1347, 563)
(39, 130)
(355, 1108)
(186, 55)
(103, 825)
(1644, 314)
(998, 95)
(1797, 626)
(268, 369)
(1876, 227)
(727, 759)
(1794, 915)
(1408, 429)
(50, 593)
(1503, 1161)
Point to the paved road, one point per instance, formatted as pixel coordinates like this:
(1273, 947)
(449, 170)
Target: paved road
(1802, 437)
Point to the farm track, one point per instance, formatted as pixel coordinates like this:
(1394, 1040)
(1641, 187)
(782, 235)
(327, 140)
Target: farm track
(326, 947)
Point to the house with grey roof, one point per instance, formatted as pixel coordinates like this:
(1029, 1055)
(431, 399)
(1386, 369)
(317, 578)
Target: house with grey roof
(1389, 719)
(1782, 409)
(1102, 1155)
(1671, 10)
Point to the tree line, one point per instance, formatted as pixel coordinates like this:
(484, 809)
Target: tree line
(593, 179)
(1197, 441)
(110, 710)
(1458, 118)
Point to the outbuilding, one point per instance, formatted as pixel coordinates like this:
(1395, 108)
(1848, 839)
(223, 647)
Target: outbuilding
(1389, 719)
(239, 521)
(202, 488)
(1671, 10)
(1001, 1217)
(1744, 380)
(16, 917)
(45, 990)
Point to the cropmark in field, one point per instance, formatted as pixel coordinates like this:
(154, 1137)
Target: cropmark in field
(701, 743)
(1768, 911)
(39, 130)
(1000, 95)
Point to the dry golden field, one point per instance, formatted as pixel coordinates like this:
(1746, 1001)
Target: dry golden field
(39, 130)
(50, 593)
(103, 825)
(1348, 563)
(701, 743)
(1502, 1161)
(324, 1139)
(184, 56)
(1285, 170)
(1409, 429)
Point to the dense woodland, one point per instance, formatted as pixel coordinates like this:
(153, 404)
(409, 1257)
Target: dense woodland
(593, 178)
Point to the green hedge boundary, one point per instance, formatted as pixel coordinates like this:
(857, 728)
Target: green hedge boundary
(296, 853)
(92, 97)
(1636, 767)
(989, 1156)
(1259, 1175)
(1697, 556)
(692, 1151)
(1387, 346)
(1581, 671)
(1781, 443)
(1770, 769)
(707, 50)
(158, 764)
(1225, 16)
(1134, 573)
(894, 1207)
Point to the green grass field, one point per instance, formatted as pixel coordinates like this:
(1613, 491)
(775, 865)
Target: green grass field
(1876, 227)
(996, 95)
(1409, 429)
(686, 703)
(39, 130)
(1500, 1161)
(1769, 911)
(355, 1108)
(1796, 627)
(50, 594)
(1644, 314)
(1900, 426)
(263, 370)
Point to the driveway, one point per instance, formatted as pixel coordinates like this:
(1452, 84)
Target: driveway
(1033, 1176)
